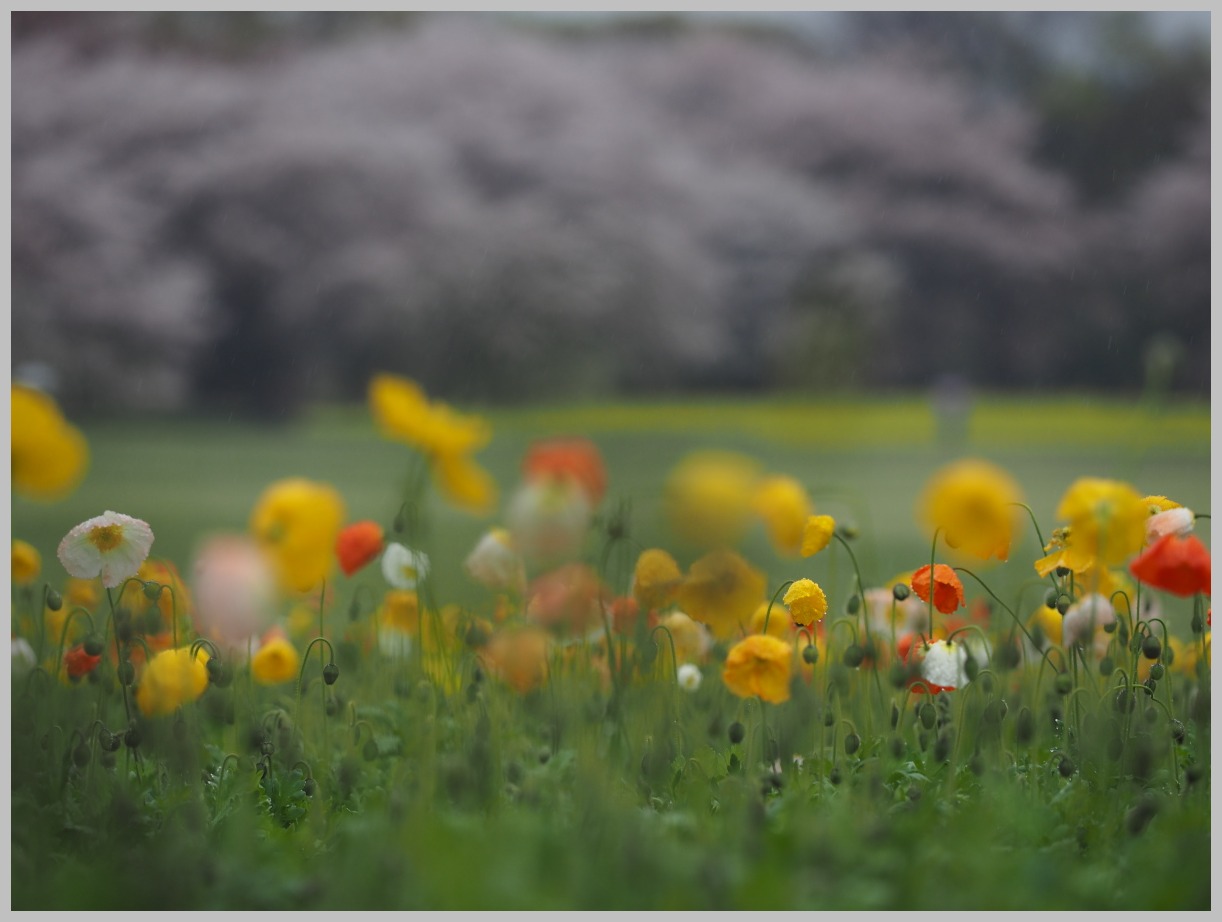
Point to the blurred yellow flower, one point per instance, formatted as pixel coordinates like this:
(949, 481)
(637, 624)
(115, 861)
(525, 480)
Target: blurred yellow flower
(171, 679)
(1045, 625)
(778, 621)
(1106, 525)
(708, 497)
(656, 579)
(783, 505)
(971, 501)
(465, 483)
(296, 521)
(50, 456)
(807, 602)
(445, 437)
(817, 534)
(692, 639)
(759, 666)
(27, 563)
(518, 656)
(722, 590)
(275, 662)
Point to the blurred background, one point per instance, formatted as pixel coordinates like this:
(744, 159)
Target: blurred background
(244, 214)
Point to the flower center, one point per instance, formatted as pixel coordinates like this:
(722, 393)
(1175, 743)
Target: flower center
(106, 537)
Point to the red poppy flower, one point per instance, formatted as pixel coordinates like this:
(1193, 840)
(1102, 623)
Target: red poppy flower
(1178, 565)
(577, 459)
(947, 589)
(357, 545)
(79, 663)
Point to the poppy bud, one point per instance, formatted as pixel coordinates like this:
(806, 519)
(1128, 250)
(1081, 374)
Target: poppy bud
(1177, 731)
(941, 747)
(1066, 768)
(1107, 666)
(330, 673)
(1024, 726)
(895, 715)
(846, 531)
(1156, 671)
(852, 743)
(132, 738)
(897, 747)
(1063, 683)
(308, 787)
(834, 775)
(854, 604)
(1063, 604)
(218, 674)
(829, 719)
(737, 732)
(1050, 598)
(853, 655)
(152, 590)
(80, 755)
(127, 672)
(55, 601)
(810, 654)
(93, 645)
(1151, 647)
(900, 592)
(928, 716)
(1197, 624)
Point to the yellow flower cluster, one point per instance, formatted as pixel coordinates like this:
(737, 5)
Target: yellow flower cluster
(296, 522)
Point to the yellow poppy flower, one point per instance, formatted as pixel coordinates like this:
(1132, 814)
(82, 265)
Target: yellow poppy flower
(275, 662)
(722, 590)
(27, 563)
(296, 521)
(817, 534)
(465, 483)
(759, 666)
(971, 502)
(778, 621)
(1106, 525)
(807, 602)
(656, 579)
(708, 497)
(50, 455)
(784, 506)
(171, 679)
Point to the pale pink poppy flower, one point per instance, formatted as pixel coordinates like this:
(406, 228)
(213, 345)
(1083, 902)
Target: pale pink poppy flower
(234, 587)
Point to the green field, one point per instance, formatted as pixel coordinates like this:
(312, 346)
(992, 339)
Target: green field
(862, 461)
(395, 788)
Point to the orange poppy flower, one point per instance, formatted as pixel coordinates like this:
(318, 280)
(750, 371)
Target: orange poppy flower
(574, 459)
(947, 589)
(1178, 565)
(357, 545)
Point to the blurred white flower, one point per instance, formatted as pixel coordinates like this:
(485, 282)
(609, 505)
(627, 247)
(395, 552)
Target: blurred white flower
(1178, 521)
(496, 563)
(403, 567)
(944, 664)
(1083, 620)
(689, 677)
(549, 518)
(23, 657)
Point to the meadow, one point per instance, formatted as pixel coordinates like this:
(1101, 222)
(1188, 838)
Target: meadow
(433, 780)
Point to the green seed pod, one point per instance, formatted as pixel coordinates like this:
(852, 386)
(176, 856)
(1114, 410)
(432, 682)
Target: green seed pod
(852, 743)
(928, 716)
(309, 786)
(900, 592)
(152, 589)
(895, 715)
(1107, 666)
(55, 601)
(1110, 627)
(1151, 647)
(829, 719)
(853, 656)
(1156, 671)
(834, 775)
(330, 673)
(1177, 731)
(1063, 604)
(93, 645)
(854, 604)
(1024, 729)
(1050, 598)
(1198, 623)
(737, 732)
(1066, 768)
(132, 738)
(810, 654)
(847, 531)
(1063, 683)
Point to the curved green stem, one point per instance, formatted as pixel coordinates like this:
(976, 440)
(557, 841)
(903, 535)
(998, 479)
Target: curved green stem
(768, 614)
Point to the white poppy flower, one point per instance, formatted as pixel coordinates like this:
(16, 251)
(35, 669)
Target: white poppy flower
(403, 567)
(112, 546)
